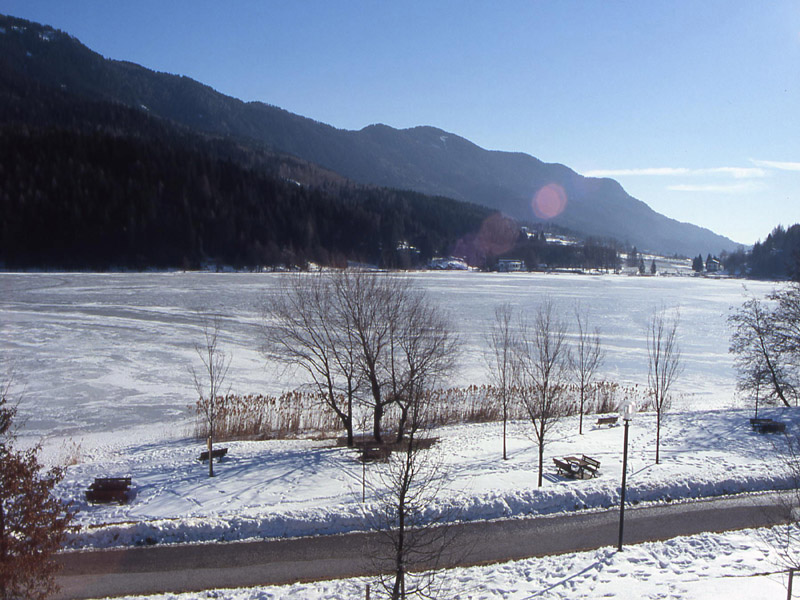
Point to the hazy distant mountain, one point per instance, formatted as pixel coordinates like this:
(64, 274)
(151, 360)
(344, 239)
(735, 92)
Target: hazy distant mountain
(423, 159)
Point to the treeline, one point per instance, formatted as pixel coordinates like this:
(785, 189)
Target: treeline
(777, 257)
(95, 200)
(87, 184)
(538, 253)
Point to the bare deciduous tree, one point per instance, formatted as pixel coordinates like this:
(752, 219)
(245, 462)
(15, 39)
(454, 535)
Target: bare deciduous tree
(422, 351)
(305, 326)
(664, 364)
(373, 304)
(209, 381)
(502, 343)
(412, 545)
(543, 372)
(786, 320)
(585, 359)
(33, 522)
(360, 336)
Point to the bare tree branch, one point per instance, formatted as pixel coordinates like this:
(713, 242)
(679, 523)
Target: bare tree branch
(543, 372)
(501, 344)
(586, 359)
(209, 381)
(664, 364)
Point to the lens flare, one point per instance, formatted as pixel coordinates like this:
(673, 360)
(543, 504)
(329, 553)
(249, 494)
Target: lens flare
(550, 201)
(497, 235)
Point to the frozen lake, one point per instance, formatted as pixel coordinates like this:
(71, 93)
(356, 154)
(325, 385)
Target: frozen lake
(107, 352)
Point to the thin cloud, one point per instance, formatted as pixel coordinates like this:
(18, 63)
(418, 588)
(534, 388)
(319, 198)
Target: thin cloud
(735, 172)
(657, 171)
(776, 164)
(718, 188)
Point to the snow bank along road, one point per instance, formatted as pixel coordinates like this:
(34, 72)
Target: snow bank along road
(196, 567)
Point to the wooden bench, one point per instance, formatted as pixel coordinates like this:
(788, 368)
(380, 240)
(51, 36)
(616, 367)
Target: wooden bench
(608, 420)
(372, 453)
(109, 489)
(757, 423)
(218, 453)
(565, 468)
(591, 465)
(771, 426)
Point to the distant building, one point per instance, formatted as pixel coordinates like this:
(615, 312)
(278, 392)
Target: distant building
(451, 263)
(713, 265)
(510, 265)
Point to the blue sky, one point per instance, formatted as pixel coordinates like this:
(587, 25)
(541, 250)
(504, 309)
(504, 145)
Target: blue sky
(693, 106)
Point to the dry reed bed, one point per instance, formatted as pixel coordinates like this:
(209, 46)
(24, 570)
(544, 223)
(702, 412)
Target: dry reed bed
(301, 413)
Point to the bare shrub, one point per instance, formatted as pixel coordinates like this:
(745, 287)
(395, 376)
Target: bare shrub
(72, 453)
(33, 520)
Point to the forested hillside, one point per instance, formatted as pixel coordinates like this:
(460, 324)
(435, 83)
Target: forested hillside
(88, 184)
(425, 159)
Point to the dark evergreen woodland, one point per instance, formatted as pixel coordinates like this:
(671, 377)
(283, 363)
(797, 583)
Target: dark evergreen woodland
(778, 256)
(87, 184)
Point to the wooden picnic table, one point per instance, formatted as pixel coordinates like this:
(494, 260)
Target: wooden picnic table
(583, 465)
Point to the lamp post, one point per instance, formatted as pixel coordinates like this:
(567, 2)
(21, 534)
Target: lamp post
(627, 414)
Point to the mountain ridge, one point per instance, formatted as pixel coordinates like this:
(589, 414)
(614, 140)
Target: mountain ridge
(424, 158)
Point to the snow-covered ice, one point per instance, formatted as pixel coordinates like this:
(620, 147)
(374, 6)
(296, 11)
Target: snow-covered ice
(108, 352)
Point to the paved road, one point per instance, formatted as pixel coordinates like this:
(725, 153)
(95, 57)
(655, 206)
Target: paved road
(202, 566)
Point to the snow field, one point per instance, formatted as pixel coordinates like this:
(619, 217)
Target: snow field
(286, 488)
(740, 565)
(102, 363)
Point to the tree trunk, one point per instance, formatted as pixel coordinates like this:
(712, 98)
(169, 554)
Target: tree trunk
(505, 420)
(210, 457)
(377, 417)
(398, 591)
(541, 462)
(401, 427)
(776, 385)
(348, 425)
(2, 546)
(658, 434)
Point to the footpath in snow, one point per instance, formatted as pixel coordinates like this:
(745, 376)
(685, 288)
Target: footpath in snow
(741, 565)
(286, 488)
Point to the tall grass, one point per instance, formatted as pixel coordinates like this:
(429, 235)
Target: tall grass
(260, 417)
(300, 413)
